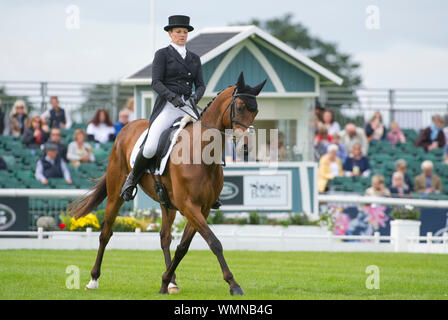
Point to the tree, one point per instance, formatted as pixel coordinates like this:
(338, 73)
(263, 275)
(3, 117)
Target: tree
(325, 53)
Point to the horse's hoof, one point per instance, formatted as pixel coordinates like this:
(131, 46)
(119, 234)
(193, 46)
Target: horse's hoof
(92, 285)
(173, 288)
(237, 291)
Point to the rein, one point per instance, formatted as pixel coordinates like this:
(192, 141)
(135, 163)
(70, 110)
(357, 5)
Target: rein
(231, 105)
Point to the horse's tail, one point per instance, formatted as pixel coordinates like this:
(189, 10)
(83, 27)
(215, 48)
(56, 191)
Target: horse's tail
(85, 204)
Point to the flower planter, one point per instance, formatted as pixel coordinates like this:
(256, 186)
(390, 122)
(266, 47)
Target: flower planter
(400, 230)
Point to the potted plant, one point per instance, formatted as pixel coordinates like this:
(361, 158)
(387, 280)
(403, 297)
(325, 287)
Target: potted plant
(404, 225)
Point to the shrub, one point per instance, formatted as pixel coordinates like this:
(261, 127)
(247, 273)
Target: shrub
(88, 221)
(254, 217)
(126, 224)
(406, 213)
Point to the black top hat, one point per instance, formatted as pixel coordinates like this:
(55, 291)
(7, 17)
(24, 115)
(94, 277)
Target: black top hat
(178, 22)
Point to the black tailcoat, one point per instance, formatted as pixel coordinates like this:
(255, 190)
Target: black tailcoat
(172, 75)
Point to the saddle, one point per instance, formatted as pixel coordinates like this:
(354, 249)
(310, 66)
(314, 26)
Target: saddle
(163, 148)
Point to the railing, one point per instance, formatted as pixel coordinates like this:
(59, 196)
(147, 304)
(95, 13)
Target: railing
(411, 108)
(233, 240)
(52, 202)
(80, 99)
(355, 199)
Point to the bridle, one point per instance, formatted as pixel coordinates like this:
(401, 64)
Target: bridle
(231, 105)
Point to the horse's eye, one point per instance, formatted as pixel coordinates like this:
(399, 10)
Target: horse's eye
(239, 108)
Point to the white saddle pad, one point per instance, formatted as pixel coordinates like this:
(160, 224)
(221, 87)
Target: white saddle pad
(185, 120)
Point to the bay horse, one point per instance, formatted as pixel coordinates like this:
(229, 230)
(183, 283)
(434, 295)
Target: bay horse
(192, 188)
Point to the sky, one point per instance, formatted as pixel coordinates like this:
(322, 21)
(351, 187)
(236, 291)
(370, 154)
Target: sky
(408, 49)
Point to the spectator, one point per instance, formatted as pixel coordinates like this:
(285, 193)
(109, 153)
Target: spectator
(399, 187)
(2, 163)
(55, 137)
(79, 151)
(19, 119)
(330, 166)
(51, 165)
(433, 136)
(3, 121)
(331, 125)
(352, 135)
(428, 182)
(356, 164)
(123, 119)
(375, 129)
(101, 129)
(56, 116)
(378, 189)
(342, 151)
(321, 141)
(445, 159)
(36, 134)
(130, 108)
(401, 166)
(395, 134)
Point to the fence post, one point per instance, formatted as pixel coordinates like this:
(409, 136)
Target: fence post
(392, 105)
(40, 236)
(376, 237)
(137, 237)
(114, 103)
(445, 241)
(89, 237)
(429, 241)
(43, 94)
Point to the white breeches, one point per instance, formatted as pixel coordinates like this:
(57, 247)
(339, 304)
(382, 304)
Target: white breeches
(163, 121)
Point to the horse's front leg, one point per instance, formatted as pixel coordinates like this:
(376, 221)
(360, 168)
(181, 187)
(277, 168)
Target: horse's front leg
(197, 222)
(181, 250)
(200, 223)
(165, 242)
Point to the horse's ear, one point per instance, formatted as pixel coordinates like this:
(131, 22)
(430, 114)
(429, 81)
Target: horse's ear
(258, 88)
(240, 83)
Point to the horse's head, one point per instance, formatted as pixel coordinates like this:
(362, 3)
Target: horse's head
(242, 107)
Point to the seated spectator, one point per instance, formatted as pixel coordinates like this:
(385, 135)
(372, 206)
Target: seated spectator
(101, 129)
(123, 119)
(51, 165)
(19, 120)
(351, 135)
(329, 123)
(378, 189)
(433, 136)
(321, 141)
(56, 117)
(375, 129)
(79, 151)
(130, 108)
(55, 137)
(2, 164)
(329, 167)
(356, 164)
(3, 121)
(36, 134)
(399, 187)
(395, 134)
(401, 166)
(342, 151)
(427, 182)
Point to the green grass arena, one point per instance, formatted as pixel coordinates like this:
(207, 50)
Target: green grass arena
(41, 274)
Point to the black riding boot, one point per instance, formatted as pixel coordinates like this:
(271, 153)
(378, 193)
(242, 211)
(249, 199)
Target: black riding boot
(217, 204)
(129, 190)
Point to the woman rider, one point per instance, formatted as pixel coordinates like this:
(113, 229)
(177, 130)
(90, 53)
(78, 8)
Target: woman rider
(174, 70)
